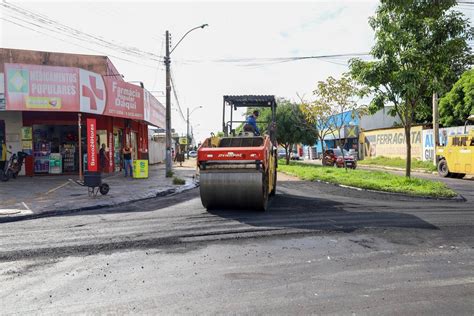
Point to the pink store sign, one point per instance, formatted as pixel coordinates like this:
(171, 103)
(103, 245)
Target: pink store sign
(154, 111)
(69, 89)
(41, 88)
(124, 100)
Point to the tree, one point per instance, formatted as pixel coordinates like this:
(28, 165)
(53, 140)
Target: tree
(335, 98)
(292, 127)
(320, 115)
(458, 103)
(421, 47)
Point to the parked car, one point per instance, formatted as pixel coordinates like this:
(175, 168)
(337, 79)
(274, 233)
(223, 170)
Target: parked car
(281, 153)
(193, 154)
(294, 156)
(333, 157)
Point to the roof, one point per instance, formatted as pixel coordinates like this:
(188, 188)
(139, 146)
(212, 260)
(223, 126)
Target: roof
(250, 100)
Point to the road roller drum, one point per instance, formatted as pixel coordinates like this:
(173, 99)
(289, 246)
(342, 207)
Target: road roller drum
(239, 171)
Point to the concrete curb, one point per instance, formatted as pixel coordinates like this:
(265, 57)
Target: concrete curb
(457, 198)
(51, 213)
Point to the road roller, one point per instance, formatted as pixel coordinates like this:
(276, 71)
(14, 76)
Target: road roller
(238, 170)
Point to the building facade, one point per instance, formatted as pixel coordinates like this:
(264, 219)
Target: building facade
(46, 99)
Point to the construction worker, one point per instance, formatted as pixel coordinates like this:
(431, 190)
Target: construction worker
(251, 123)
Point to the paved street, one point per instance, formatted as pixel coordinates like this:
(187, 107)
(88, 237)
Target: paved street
(49, 195)
(318, 249)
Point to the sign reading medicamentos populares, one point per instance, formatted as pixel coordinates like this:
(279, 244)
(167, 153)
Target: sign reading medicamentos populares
(50, 88)
(41, 88)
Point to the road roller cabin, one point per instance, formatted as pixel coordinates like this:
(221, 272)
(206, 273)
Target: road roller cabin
(239, 171)
(456, 159)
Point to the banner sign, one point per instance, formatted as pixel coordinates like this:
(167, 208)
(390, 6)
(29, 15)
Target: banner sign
(140, 169)
(41, 88)
(111, 151)
(92, 88)
(429, 143)
(351, 131)
(69, 89)
(155, 112)
(391, 143)
(124, 100)
(91, 145)
(183, 140)
(26, 133)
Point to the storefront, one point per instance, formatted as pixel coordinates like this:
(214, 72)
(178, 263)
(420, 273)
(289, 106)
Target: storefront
(52, 101)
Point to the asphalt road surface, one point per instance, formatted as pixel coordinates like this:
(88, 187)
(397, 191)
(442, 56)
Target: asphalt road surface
(319, 249)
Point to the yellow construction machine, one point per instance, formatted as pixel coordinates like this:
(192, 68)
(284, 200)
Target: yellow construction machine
(456, 158)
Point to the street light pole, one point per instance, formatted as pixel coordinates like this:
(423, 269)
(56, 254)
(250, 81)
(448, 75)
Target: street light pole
(168, 108)
(169, 164)
(187, 133)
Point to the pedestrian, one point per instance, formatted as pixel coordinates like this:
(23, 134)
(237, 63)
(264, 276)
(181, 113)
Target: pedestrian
(3, 154)
(103, 159)
(127, 158)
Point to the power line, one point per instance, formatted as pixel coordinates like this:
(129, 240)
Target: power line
(70, 42)
(261, 62)
(176, 97)
(59, 28)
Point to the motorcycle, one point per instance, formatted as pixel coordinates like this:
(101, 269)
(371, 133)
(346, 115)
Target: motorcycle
(14, 164)
(4, 174)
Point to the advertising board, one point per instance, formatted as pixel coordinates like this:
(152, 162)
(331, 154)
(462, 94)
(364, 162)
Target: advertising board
(91, 145)
(140, 169)
(428, 139)
(124, 100)
(154, 111)
(41, 88)
(69, 89)
(391, 143)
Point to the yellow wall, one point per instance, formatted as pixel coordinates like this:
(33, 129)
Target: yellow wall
(391, 143)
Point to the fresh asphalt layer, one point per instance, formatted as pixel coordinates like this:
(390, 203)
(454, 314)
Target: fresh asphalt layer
(319, 249)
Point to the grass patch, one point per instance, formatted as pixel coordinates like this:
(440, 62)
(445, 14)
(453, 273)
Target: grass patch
(367, 179)
(398, 163)
(178, 181)
(169, 174)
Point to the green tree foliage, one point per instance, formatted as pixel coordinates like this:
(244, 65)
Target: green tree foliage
(332, 97)
(458, 103)
(420, 48)
(291, 125)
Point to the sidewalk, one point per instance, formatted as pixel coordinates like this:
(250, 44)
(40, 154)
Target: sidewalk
(51, 195)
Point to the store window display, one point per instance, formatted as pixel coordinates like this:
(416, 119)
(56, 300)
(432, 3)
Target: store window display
(55, 149)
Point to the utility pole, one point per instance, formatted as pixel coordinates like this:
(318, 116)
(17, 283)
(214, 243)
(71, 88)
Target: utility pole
(435, 127)
(187, 133)
(169, 164)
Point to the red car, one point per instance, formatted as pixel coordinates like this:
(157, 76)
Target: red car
(333, 157)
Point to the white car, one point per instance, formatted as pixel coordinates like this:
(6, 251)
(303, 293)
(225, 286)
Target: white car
(193, 154)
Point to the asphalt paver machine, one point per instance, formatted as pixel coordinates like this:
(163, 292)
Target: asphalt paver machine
(238, 170)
